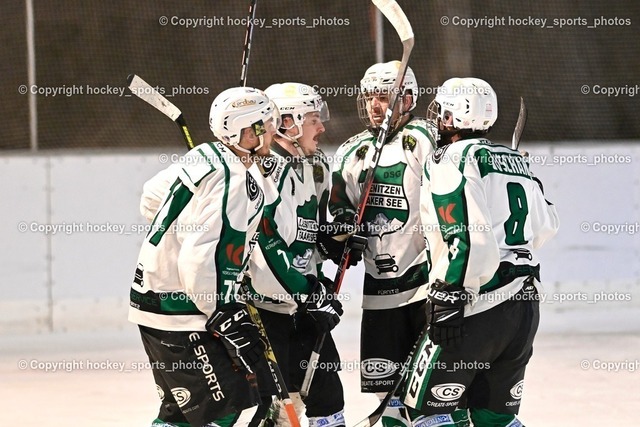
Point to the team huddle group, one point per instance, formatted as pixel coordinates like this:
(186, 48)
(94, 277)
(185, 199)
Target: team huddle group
(447, 238)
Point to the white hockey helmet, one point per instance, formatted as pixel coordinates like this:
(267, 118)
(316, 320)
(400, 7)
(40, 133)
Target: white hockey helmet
(297, 99)
(379, 78)
(239, 108)
(470, 102)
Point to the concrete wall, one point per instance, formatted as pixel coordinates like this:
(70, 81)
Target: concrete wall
(79, 277)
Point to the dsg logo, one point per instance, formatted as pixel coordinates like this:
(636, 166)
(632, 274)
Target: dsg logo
(376, 368)
(447, 392)
(516, 390)
(182, 395)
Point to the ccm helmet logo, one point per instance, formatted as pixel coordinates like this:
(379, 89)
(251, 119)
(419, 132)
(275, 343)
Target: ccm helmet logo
(182, 395)
(376, 368)
(516, 390)
(447, 392)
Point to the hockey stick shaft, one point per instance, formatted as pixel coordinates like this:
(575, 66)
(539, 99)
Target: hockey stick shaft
(150, 95)
(519, 129)
(276, 373)
(247, 43)
(399, 20)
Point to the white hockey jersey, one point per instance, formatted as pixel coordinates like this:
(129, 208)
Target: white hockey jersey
(193, 254)
(286, 251)
(396, 262)
(483, 216)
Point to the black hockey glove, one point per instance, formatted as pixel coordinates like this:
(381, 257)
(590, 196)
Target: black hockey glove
(321, 305)
(331, 242)
(240, 336)
(447, 313)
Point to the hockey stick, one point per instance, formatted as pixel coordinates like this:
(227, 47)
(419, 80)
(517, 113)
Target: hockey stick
(150, 95)
(274, 368)
(247, 43)
(519, 129)
(398, 19)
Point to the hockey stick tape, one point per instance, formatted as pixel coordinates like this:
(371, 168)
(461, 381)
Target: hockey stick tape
(396, 16)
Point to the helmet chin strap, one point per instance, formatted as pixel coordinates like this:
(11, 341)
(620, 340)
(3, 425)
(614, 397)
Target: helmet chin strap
(293, 139)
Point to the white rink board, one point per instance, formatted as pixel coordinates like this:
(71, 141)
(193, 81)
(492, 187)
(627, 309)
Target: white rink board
(89, 271)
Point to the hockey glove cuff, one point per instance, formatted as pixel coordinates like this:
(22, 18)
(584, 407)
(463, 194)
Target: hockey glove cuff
(446, 318)
(240, 336)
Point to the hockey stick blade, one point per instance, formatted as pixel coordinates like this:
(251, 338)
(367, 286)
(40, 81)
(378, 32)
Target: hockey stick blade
(398, 19)
(151, 96)
(519, 129)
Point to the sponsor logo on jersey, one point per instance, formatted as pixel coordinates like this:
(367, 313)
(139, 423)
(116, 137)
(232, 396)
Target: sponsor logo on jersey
(385, 263)
(381, 225)
(439, 153)
(447, 392)
(268, 165)
(387, 204)
(445, 213)
(253, 189)
(181, 395)
(235, 254)
(377, 368)
(516, 390)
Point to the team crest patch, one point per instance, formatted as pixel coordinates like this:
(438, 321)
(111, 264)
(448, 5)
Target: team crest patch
(318, 173)
(409, 142)
(362, 151)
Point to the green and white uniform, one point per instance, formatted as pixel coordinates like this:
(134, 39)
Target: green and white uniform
(396, 263)
(189, 261)
(285, 255)
(286, 251)
(483, 216)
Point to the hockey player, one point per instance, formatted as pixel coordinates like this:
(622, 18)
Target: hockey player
(294, 300)
(396, 262)
(196, 332)
(484, 215)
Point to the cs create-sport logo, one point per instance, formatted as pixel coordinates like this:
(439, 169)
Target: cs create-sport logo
(516, 390)
(182, 395)
(447, 392)
(377, 368)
